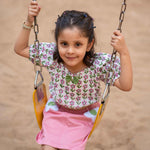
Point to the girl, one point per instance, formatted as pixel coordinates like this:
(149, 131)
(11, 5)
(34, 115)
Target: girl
(76, 71)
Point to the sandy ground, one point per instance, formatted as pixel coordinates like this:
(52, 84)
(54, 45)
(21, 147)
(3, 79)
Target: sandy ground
(126, 122)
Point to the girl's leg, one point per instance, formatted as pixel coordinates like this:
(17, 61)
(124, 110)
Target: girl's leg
(46, 147)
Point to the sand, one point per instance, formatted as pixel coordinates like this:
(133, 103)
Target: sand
(126, 122)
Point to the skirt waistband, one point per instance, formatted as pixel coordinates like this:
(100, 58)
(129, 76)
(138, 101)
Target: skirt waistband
(78, 111)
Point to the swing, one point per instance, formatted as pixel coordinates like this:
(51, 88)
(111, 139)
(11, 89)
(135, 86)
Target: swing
(39, 94)
(39, 98)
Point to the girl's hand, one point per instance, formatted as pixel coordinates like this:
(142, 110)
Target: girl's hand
(118, 42)
(33, 10)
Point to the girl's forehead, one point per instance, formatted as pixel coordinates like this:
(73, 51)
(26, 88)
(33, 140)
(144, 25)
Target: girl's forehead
(71, 33)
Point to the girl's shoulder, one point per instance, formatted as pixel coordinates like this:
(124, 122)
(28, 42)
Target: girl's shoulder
(46, 51)
(102, 55)
(101, 59)
(104, 59)
(44, 47)
(47, 45)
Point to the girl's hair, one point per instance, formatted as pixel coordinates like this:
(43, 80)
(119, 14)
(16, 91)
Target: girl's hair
(85, 23)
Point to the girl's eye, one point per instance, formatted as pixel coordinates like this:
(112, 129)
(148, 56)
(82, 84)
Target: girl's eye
(78, 44)
(64, 43)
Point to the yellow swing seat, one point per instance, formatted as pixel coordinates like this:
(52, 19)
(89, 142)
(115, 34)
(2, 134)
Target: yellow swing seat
(39, 94)
(99, 116)
(40, 100)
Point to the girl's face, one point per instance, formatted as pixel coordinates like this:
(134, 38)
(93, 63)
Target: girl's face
(72, 47)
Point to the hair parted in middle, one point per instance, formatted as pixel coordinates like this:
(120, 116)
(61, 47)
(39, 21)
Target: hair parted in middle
(85, 23)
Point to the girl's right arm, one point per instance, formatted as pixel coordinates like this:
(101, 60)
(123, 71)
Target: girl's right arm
(21, 46)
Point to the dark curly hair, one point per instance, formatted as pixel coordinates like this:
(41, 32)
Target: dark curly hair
(85, 23)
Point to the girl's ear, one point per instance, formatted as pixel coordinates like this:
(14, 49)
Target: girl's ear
(90, 45)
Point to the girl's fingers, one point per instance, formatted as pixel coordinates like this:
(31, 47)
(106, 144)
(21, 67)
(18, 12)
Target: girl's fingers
(112, 44)
(33, 6)
(114, 41)
(34, 10)
(113, 37)
(117, 33)
(34, 3)
(33, 14)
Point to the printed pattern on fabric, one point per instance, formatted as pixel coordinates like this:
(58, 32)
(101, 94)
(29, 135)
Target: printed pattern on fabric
(92, 114)
(46, 51)
(78, 90)
(51, 104)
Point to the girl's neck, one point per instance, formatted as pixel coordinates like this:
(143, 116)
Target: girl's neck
(75, 70)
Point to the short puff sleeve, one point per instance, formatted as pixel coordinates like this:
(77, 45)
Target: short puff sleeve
(46, 51)
(102, 63)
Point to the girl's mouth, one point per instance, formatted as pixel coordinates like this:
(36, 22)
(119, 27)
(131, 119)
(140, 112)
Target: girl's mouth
(70, 58)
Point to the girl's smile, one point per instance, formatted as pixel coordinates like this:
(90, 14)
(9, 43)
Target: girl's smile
(72, 47)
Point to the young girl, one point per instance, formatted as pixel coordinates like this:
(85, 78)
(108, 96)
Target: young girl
(76, 71)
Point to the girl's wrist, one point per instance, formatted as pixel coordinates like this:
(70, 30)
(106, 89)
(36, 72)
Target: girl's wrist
(125, 52)
(27, 25)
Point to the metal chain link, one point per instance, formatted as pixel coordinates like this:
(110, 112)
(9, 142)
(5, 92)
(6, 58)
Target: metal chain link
(114, 53)
(36, 45)
(37, 66)
(122, 12)
(113, 56)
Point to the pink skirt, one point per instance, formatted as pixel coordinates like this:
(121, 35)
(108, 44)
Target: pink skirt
(65, 128)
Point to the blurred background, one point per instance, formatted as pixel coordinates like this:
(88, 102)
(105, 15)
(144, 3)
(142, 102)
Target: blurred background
(126, 122)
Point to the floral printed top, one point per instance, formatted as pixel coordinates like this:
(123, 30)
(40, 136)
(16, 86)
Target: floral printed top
(75, 90)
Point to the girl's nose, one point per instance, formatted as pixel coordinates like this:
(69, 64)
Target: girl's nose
(70, 50)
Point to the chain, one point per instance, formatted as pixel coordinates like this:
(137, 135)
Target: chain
(36, 45)
(113, 55)
(122, 12)
(112, 61)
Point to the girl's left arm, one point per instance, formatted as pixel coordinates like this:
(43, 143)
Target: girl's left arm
(126, 76)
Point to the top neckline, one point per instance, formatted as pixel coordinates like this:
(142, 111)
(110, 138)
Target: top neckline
(68, 71)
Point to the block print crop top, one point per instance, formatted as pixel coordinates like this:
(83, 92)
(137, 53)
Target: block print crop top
(77, 90)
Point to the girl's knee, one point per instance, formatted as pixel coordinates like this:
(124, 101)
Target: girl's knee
(46, 147)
